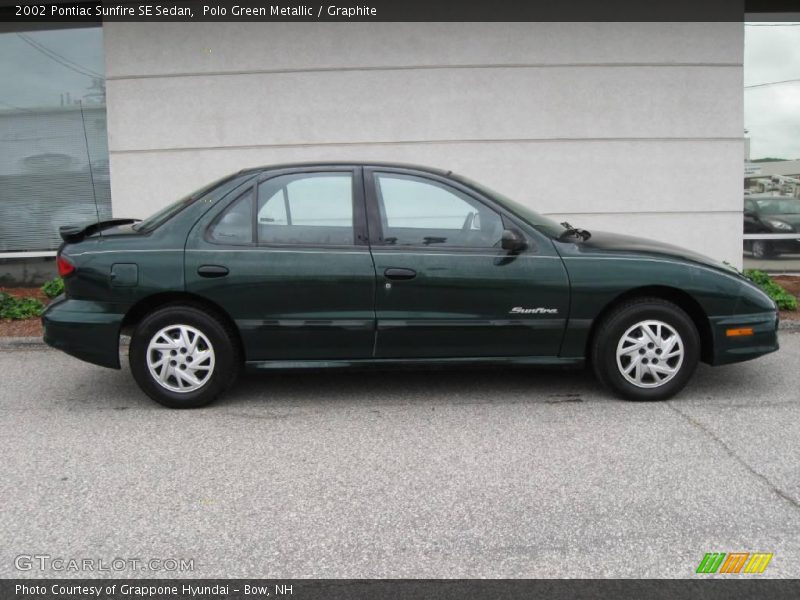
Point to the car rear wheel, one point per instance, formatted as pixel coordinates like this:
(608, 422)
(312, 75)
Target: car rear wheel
(182, 357)
(646, 349)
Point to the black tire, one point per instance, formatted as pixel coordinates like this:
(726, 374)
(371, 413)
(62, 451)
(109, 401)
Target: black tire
(763, 249)
(608, 369)
(214, 333)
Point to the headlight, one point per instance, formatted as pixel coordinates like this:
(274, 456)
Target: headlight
(780, 225)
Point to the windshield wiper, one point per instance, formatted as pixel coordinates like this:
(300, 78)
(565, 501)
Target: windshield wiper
(570, 230)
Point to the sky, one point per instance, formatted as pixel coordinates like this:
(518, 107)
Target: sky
(772, 112)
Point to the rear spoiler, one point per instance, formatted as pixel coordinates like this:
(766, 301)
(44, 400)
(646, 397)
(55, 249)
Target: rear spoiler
(75, 233)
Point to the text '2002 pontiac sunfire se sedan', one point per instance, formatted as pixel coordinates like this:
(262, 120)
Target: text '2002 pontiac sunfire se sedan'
(345, 265)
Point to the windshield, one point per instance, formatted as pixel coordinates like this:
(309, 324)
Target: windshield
(544, 224)
(778, 206)
(169, 211)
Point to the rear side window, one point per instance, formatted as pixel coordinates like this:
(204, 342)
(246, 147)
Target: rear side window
(220, 187)
(306, 209)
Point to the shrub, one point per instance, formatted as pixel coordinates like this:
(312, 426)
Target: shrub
(53, 288)
(783, 299)
(12, 307)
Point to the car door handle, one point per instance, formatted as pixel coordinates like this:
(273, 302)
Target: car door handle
(399, 274)
(212, 271)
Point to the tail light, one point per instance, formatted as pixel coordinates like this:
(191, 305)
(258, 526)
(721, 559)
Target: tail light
(65, 267)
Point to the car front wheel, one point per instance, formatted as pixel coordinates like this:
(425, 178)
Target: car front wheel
(763, 249)
(646, 349)
(182, 357)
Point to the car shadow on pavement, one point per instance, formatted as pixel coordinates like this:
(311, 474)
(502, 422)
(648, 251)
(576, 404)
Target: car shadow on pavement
(485, 385)
(108, 390)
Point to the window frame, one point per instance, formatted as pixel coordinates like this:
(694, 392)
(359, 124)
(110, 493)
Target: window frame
(376, 225)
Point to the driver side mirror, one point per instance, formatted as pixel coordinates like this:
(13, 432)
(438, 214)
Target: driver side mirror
(513, 241)
(749, 213)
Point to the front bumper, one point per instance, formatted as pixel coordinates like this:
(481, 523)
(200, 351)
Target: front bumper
(83, 329)
(732, 349)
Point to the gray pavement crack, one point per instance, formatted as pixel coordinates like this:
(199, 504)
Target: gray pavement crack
(730, 452)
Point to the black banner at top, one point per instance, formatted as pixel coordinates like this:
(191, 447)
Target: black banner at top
(387, 10)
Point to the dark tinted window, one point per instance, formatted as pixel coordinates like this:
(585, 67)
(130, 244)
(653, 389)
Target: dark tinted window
(421, 212)
(306, 208)
(235, 224)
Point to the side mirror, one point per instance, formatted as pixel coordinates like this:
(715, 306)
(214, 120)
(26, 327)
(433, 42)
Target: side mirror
(513, 241)
(749, 213)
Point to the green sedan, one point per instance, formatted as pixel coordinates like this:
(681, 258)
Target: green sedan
(353, 265)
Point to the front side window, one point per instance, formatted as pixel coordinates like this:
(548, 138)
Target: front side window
(306, 208)
(419, 212)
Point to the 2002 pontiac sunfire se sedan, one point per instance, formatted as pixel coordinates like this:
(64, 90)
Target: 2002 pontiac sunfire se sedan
(334, 265)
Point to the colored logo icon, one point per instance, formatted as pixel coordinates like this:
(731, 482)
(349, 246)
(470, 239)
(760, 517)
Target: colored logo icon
(734, 562)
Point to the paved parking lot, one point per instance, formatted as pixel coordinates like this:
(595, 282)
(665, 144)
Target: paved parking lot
(469, 473)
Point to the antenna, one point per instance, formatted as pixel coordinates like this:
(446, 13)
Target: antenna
(91, 172)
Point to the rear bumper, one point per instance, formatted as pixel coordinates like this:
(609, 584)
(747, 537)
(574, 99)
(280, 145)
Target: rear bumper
(83, 329)
(733, 349)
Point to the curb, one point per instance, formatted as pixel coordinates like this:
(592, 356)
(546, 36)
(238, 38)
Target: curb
(21, 342)
(35, 343)
(789, 326)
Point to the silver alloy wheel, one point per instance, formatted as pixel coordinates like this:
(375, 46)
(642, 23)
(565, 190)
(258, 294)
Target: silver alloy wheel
(650, 354)
(180, 358)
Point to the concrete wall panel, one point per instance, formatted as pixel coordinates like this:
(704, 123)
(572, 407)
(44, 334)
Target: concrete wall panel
(423, 105)
(146, 49)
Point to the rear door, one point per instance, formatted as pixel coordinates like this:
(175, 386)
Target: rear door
(287, 258)
(445, 286)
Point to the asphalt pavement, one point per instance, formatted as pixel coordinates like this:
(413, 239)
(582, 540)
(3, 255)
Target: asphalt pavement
(453, 473)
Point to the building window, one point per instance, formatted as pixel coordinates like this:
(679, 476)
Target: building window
(53, 142)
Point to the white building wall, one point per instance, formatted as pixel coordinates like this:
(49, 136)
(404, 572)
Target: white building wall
(632, 127)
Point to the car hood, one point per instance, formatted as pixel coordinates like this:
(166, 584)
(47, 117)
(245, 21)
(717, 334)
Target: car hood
(602, 242)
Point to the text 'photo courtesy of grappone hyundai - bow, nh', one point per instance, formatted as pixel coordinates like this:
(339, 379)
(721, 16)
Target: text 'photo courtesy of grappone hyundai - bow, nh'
(355, 265)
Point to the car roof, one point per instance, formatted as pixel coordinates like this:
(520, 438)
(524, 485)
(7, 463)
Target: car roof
(350, 163)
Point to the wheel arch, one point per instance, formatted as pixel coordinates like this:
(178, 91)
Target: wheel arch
(679, 297)
(150, 303)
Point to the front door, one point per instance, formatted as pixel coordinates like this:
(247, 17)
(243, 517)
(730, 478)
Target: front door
(287, 258)
(445, 286)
